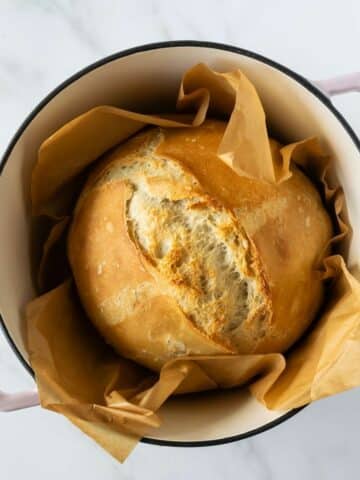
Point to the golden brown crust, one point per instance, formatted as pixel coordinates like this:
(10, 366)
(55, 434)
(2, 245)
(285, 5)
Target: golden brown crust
(287, 222)
(134, 295)
(122, 298)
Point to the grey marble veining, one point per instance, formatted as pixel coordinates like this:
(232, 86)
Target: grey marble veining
(44, 41)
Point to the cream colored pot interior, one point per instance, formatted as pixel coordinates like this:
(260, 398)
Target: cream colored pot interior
(132, 82)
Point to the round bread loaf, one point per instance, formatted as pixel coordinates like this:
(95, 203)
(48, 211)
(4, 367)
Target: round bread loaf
(175, 254)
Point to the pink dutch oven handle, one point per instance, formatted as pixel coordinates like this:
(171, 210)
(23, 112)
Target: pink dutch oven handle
(17, 401)
(337, 85)
(332, 86)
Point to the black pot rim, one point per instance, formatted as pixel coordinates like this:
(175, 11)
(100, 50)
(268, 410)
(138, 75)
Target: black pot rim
(154, 46)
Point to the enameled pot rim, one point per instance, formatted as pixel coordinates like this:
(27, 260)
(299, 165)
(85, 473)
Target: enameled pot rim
(154, 46)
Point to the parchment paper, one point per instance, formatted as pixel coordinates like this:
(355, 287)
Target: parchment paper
(112, 399)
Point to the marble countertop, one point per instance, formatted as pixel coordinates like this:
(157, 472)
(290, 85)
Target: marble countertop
(41, 43)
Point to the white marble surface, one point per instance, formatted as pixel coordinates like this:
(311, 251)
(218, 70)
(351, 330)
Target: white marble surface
(44, 41)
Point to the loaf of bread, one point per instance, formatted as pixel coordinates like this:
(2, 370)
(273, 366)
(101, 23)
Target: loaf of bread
(175, 254)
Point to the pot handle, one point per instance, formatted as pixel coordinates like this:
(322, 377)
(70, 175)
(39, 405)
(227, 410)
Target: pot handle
(342, 84)
(17, 401)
